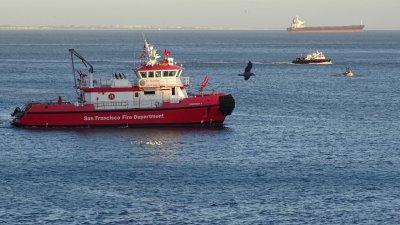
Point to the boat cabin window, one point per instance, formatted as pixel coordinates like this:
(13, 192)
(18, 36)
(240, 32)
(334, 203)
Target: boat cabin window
(143, 74)
(173, 91)
(151, 74)
(158, 73)
(149, 92)
(136, 94)
(165, 74)
(171, 73)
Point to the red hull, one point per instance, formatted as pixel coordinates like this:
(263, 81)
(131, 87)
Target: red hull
(205, 110)
(327, 31)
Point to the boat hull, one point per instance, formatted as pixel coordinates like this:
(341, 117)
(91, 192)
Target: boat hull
(312, 61)
(322, 29)
(210, 110)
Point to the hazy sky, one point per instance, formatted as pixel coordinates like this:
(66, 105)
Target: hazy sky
(252, 14)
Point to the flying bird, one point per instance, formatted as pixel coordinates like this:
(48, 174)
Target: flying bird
(247, 71)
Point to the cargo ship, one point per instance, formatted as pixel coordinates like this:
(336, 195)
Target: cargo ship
(158, 97)
(299, 26)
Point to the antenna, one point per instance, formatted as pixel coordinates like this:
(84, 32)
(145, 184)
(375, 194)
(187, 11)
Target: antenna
(134, 64)
(143, 36)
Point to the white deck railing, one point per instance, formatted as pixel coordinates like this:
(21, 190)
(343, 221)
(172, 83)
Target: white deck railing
(128, 104)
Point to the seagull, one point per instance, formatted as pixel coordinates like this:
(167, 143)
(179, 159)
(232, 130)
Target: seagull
(247, 71)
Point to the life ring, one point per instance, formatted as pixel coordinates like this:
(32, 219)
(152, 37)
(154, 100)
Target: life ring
(142, 83)
(111, 96)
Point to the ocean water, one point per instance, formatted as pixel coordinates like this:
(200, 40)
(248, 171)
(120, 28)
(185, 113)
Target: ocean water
(301, 147)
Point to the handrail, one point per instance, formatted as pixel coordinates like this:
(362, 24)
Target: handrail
(129, 104)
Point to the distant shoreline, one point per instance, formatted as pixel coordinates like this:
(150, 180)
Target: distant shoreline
(11, 27)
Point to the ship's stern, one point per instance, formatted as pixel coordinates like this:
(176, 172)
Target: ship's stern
(16, 116)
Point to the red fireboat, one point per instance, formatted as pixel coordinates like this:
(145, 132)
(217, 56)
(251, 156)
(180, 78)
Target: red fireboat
(157, 98)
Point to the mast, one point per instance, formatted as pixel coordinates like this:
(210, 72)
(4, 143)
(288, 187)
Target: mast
(73, 70)
(149, 54)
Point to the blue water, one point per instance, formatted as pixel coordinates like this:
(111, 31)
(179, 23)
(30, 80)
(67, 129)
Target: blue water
(301, 147)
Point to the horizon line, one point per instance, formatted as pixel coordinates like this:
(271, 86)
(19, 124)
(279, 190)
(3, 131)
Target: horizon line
(138, 27)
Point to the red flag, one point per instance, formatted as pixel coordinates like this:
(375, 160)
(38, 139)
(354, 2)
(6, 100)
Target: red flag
(167, 52)
(204, 83)
(81, 74)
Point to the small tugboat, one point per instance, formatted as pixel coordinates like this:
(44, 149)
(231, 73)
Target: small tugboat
(157, 98)
(348, 72)
(313, 58)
